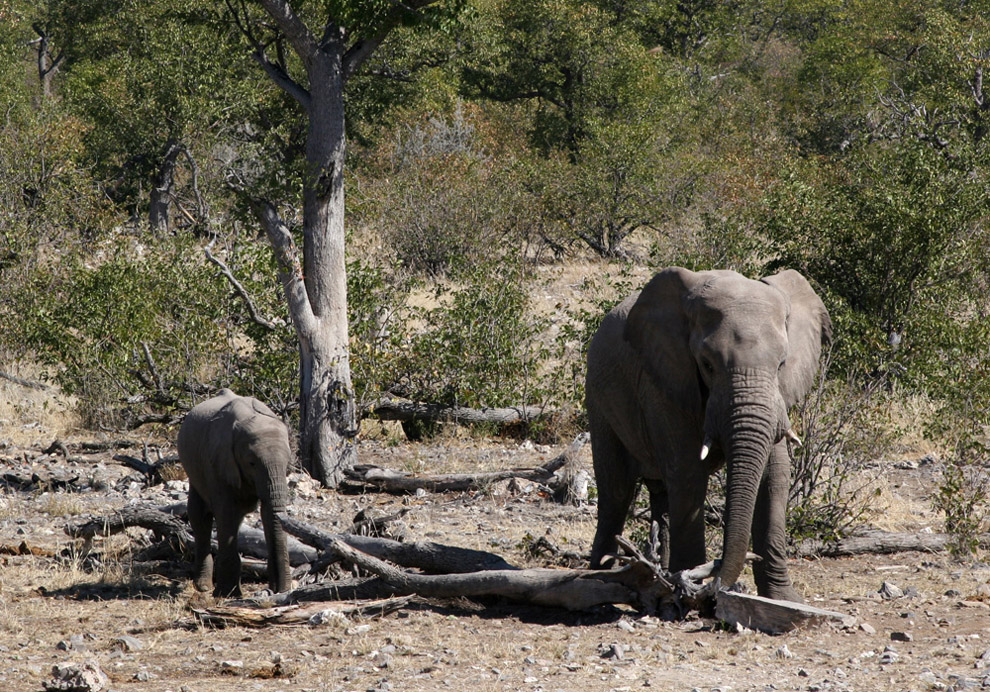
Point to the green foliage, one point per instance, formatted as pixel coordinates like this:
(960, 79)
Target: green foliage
(891, 234)
(478, 347)
(138, 324)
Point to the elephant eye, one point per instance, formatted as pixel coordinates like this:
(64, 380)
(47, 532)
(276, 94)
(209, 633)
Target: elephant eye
(707, 367)
(781, 366)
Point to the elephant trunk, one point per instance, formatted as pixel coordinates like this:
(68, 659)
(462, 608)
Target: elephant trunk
(273, 493)
(756, 420)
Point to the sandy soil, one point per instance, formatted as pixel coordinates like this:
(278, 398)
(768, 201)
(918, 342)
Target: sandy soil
(57, 607)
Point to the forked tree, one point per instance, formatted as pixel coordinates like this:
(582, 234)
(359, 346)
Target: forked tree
(330, 51)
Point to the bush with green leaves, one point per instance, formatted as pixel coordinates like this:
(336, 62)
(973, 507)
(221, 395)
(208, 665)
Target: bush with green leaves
(138, 324)
(893, 235)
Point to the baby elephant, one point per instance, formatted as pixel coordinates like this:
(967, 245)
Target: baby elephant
(235, 451)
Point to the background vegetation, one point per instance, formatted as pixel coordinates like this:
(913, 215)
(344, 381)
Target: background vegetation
(845, 139)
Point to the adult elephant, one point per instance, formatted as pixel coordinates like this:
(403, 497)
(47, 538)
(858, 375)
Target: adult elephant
(236, 452)
(695, 371)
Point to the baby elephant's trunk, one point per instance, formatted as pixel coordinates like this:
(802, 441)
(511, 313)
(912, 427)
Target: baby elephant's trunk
(273, 494)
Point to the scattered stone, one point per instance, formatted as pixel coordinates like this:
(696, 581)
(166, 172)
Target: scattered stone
(613, 651)
(901, 637)
(127, 643)
(889, 591)
(974, 604)
(889, 655)
(867, 628)
(231, 665)
(626, 626)
(784, 652)
(77, 677)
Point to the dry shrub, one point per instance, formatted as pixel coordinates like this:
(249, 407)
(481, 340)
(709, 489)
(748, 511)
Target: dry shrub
(845, 425)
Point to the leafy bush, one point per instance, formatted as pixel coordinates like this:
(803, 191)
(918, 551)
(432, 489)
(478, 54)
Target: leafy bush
(893, 235)
(137, 325)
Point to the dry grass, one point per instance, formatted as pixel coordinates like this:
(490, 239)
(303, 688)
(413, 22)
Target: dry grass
(28, 415)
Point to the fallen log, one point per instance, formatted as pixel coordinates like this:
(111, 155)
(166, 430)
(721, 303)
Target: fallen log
(570, 589)
(314, 613)
(427, 556)
(404, 410)
(773, 617)
(146, 517)
(30, 384)
(399, 482)
(875, 542)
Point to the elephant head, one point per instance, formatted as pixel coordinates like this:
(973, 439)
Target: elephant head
(263, 456)
(729, 356)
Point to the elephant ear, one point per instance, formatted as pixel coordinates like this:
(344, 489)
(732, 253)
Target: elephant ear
(224, 447)
(808, 328)
(658, 328)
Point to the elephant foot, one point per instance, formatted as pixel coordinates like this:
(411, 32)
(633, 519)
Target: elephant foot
(784, 593)
(203, 585)
(230, 592)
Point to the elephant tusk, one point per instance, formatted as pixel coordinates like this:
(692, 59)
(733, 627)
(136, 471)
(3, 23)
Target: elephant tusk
(705, 448)
(790, 435)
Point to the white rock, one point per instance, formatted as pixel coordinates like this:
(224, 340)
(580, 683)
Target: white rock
(77, 677)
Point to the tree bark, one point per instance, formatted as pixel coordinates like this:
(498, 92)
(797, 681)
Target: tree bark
(328, 422)
(161, 189)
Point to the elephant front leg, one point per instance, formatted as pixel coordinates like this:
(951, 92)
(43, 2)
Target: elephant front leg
(686, 502)
(228, 568)
(660, 517)
(770, 529)
(201, 521)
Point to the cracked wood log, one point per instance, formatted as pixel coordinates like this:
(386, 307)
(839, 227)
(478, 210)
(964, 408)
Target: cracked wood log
(570, 589)
(427, 556)
(151, 518)
(313, 613)
(773, 617)
(399, 482)
(873, 542)
(404, 410)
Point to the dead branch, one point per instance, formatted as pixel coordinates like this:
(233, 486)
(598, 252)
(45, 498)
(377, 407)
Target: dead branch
(152, 471)
(315, 613)
(30, 384)
(404, 410)
(429, 557)
(872, 542)
(398, 482)
(774, 617)
(146, 517)
(571, 589)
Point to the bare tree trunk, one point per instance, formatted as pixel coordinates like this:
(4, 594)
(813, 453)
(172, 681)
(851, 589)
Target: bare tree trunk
(161, 189)
(328, 423)
(47, 65)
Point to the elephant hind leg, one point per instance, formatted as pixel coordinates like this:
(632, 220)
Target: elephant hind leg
(201, 521)
(616, 480)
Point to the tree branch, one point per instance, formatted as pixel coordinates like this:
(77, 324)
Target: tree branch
(282, 78)
(300, 37)
(225, 270)
(290, 269)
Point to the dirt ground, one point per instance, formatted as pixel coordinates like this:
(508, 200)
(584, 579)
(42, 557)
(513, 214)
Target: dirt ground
(57, 607)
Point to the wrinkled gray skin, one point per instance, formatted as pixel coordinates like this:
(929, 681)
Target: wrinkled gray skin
(707, 359)
(236, 452)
